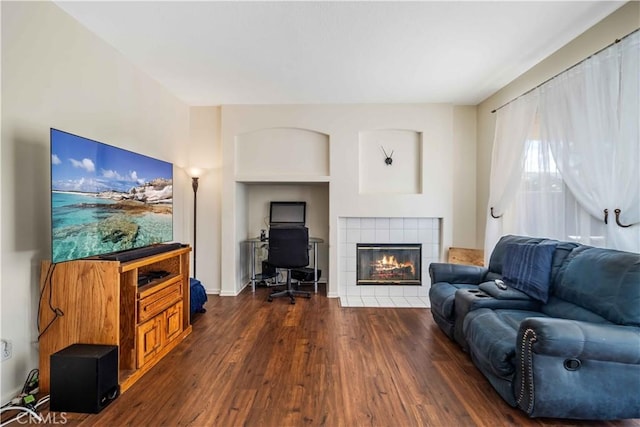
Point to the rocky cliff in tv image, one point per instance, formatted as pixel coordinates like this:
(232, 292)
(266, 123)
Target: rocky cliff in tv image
(156, 191)
(155, 196)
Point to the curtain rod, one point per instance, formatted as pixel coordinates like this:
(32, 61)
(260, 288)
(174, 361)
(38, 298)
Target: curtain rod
(565, 70)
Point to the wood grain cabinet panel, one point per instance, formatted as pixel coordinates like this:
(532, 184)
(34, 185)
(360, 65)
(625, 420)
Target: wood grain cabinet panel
(173, 322)
(149, 339)
(104, 303)
(158, 301)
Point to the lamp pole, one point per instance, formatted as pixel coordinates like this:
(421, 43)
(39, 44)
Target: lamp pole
(194, 185)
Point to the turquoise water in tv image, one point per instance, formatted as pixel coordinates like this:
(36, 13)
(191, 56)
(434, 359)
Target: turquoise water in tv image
(85, 225)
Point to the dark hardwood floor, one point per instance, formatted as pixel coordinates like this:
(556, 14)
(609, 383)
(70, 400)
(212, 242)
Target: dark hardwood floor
(254, 363)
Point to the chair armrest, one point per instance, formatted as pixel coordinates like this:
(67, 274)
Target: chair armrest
(582, 340)
(456, 273)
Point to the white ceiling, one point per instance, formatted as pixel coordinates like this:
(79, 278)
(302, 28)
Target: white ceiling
(213, 53)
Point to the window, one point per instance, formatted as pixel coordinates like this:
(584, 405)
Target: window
(544, 206)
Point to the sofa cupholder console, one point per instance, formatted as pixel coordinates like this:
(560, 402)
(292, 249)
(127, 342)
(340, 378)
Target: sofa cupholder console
(465, 301)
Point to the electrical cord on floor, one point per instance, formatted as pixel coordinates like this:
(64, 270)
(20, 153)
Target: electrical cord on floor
(24, 401)
(26, 411)
(19, 408)
(30, 386)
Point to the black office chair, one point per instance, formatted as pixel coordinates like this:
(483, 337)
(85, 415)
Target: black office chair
(288, 248)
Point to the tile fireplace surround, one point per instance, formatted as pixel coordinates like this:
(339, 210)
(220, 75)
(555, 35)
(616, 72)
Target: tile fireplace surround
(354, 230)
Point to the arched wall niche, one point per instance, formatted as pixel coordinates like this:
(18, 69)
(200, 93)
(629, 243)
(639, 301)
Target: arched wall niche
(282, 152)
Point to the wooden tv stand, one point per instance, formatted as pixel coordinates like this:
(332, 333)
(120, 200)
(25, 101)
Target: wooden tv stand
(103, 304)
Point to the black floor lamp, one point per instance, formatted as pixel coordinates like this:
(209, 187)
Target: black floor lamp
(194, 185)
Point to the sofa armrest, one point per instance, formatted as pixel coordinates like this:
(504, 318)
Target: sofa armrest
(582, 340)
(456, 273)
(573, 369)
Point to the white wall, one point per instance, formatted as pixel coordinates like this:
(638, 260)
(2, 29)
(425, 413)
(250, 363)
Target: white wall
(343, 124)
(464, 177)
(57, 74)
(620, 23)
(205, 154)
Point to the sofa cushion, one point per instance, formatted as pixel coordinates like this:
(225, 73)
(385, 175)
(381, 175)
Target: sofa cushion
(527, 268)
(491, 337)
(557, 307)
(563, 249)
(603, 281)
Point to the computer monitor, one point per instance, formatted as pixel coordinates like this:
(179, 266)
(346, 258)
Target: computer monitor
(287, 213)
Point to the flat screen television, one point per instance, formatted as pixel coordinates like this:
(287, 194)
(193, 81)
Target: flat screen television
(105, 199)
(287, 213)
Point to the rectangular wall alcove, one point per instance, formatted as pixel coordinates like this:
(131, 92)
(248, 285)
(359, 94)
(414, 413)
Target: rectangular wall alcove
(390, 162)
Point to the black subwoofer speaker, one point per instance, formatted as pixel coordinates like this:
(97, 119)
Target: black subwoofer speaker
(268, 270)
(84, 378)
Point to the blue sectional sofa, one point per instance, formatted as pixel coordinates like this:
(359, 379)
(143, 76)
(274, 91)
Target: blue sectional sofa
(563, 339)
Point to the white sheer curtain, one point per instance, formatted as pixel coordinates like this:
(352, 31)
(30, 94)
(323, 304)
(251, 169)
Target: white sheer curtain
(513, 127)
(545, 207)
(569, 150)
(626, 191)
(589, 118)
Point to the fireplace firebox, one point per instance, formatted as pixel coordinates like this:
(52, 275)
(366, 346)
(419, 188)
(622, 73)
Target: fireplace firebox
(389, 264)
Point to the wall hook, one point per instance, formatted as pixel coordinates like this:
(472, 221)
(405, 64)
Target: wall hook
(492, 215)
(617, 212)
(606, 216)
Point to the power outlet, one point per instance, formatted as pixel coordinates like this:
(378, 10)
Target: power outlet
(6, 349)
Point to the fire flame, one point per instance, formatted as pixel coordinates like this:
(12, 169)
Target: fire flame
(390, 263)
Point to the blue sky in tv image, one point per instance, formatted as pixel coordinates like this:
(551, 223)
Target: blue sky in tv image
(105, 199)
(83, 165)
